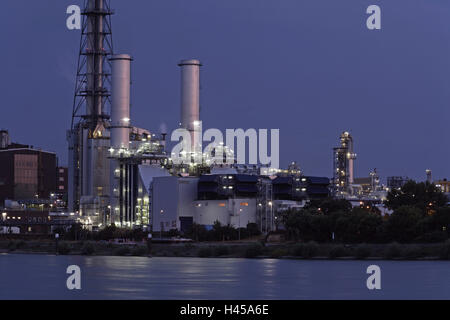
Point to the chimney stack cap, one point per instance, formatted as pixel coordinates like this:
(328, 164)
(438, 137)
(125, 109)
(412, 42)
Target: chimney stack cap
(190, 62)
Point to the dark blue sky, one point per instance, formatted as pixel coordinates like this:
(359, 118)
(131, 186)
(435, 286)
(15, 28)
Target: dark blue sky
(308, 67)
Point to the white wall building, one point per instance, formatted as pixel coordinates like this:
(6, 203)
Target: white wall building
(235, 212)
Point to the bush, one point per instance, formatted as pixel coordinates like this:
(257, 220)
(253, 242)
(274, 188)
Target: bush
(306, 250)
(110, 245)
(63, 248)
(12, 245)
(363, 251)
(21, 244)
(433, 237)
(392, 251)
(444, 253)
(87, 249)
(412, 252)
(337, 251)
(122, 251)
(221, 251)
(278, 253)
(253, 251)
(205, 252)
(139, 251)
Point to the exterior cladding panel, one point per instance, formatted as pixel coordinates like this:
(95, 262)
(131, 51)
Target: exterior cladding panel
(173, 199)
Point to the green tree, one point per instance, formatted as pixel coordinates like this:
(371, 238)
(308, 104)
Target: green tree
(441, 219)
(424, 196)
(359, 225)
(330, 205)
(403, 224)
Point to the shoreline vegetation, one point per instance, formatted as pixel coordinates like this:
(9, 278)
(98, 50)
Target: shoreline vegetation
(417, 229)
(243, 249)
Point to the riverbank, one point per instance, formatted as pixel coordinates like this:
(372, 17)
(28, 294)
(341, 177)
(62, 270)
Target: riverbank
(249, 249)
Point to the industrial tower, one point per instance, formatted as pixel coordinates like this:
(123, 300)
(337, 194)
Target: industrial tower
(88, 137)
(343, 168)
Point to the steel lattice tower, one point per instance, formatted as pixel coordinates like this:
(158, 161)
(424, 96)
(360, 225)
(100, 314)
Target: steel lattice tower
(93, 70)
(88, 137)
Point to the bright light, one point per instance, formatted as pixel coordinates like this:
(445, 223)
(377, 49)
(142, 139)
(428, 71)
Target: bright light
(126, 119)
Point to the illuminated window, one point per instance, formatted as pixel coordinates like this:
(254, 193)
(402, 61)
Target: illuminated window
(221, 204)
(244, 204)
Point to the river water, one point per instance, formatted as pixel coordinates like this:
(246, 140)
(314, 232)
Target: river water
(44, 277)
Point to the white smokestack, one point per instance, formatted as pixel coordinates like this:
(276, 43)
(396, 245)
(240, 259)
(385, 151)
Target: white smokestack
(190, 94)
(120, 106)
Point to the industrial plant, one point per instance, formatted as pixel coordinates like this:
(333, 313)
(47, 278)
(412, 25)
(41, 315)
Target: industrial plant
(122, 175)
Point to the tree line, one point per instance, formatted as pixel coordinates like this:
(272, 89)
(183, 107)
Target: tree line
(420, 213)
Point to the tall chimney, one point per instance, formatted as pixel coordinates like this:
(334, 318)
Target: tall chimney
(190, 95)
(120, 106)
(429, 176)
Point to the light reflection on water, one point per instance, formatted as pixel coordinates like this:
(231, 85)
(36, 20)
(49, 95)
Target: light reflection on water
(44, 277)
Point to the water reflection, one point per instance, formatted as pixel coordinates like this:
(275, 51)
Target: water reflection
(44, 277)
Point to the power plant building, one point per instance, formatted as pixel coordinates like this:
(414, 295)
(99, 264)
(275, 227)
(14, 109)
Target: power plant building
(120, 174)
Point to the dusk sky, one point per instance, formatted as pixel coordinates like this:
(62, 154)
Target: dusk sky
(308, 67)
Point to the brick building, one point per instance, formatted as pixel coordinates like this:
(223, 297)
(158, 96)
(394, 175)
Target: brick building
(25, 173)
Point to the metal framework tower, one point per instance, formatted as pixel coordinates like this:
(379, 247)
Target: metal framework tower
(88, 138)
(93, 70)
